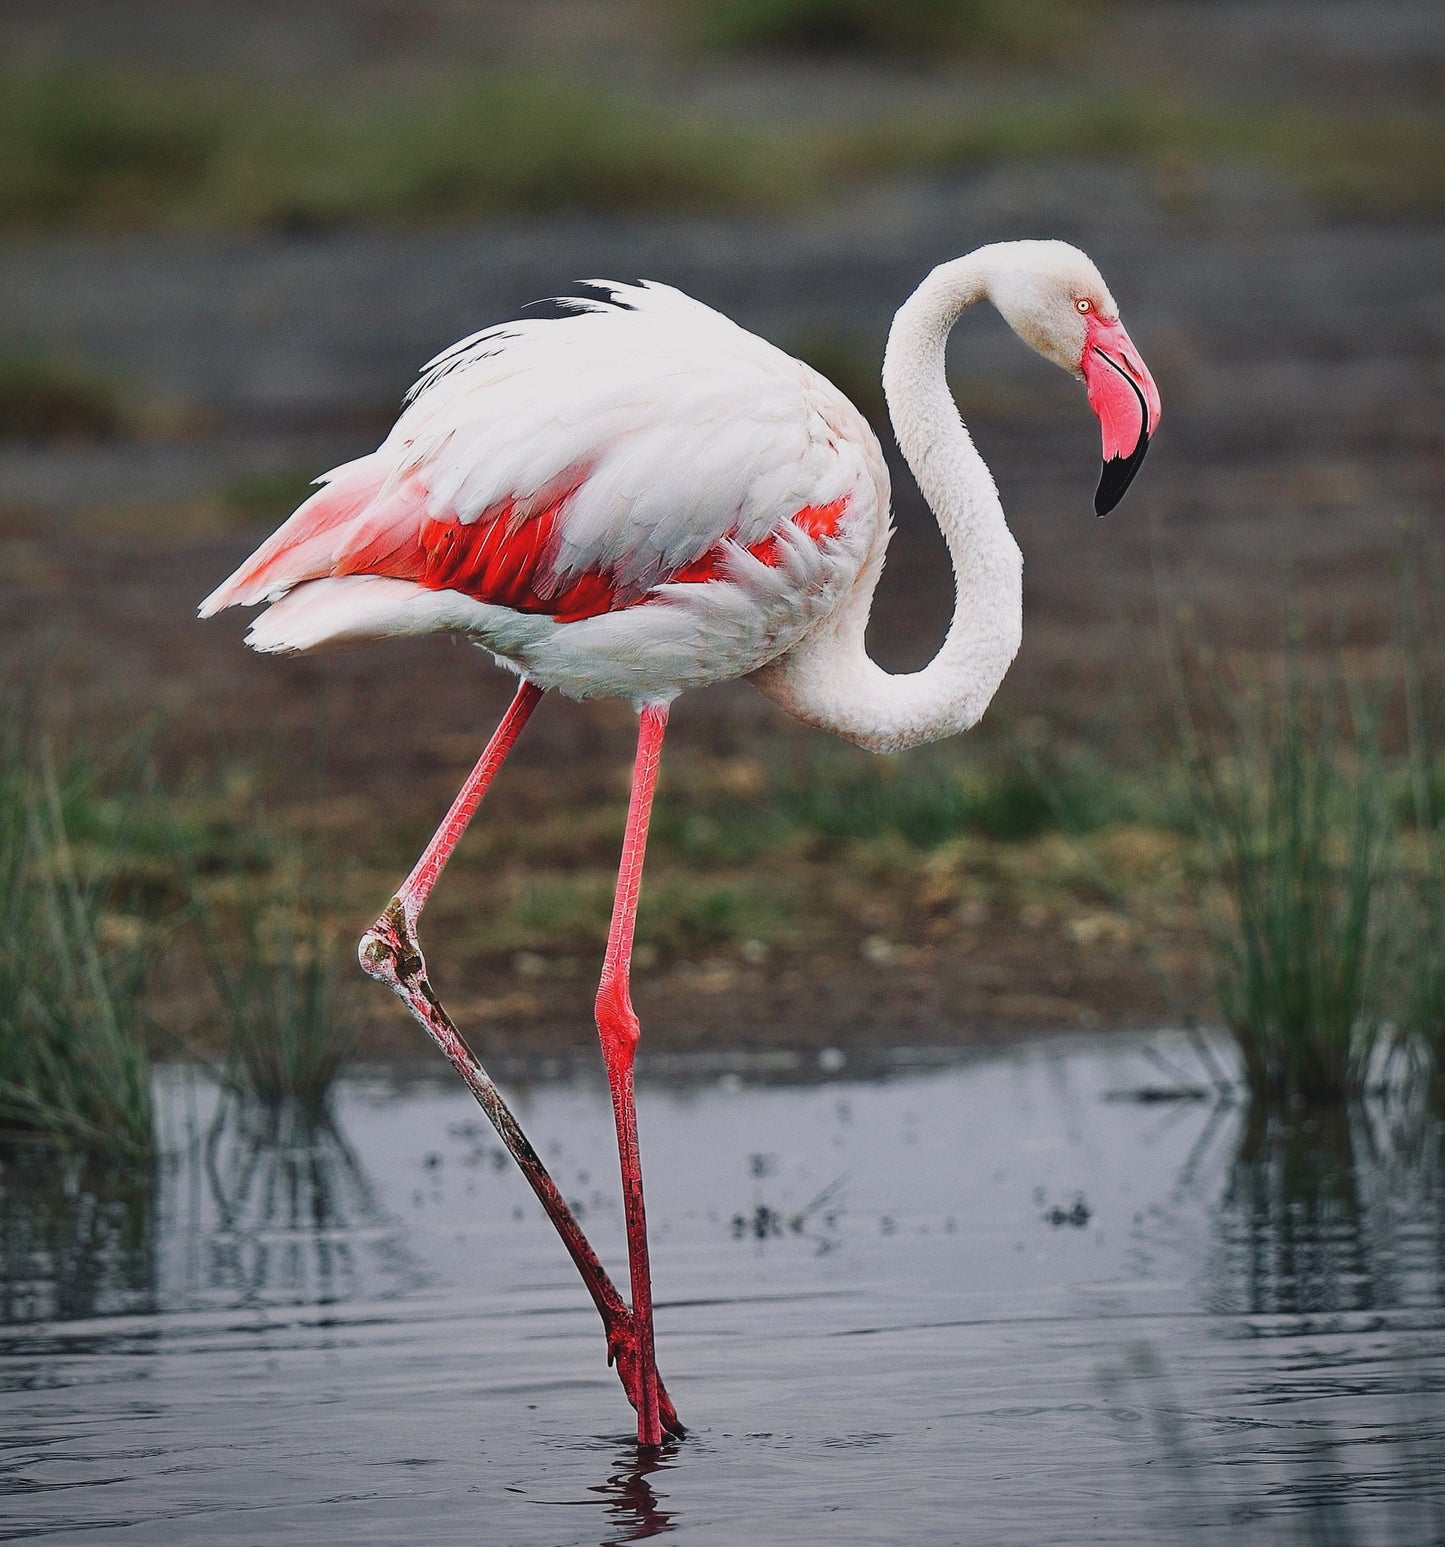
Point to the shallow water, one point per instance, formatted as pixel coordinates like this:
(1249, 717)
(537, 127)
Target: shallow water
(981, 1302)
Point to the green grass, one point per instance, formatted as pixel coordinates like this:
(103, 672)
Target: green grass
(46, 397)
(73, 1060)
(275, 961)
(101, 143)
(716, 830)
(1380, 164)
(678, 915)
(681, 916)
(113, 149)
(1288, 798)
(1423, 972)
(98, 869)
(926, 799)
(739, 848)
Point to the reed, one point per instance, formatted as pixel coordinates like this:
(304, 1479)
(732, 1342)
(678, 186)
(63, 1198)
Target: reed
(275, 960)
(1286, 790)
(74, 1067)
(1423, 959)
(1425, 972)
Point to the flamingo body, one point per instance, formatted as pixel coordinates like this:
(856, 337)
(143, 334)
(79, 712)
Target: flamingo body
(630, 500)
(640, 497)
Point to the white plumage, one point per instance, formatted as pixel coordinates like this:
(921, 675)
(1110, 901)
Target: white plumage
(667, 433)
(687, 428)
(640, 497)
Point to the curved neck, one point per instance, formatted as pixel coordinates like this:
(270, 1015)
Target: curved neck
(828, 679)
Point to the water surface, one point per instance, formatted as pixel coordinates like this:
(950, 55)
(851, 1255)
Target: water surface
(985, 1301)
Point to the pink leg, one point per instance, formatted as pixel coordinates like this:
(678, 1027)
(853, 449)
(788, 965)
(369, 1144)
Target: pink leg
(389, 953)
(618, 1028)
(418, 885)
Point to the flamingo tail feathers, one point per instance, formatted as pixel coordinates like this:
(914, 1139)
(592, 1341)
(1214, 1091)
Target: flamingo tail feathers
(307, 545)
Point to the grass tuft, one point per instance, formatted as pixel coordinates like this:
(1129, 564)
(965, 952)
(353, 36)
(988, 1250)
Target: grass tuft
(1423, 998)
(1286, 789)
(73, 1061)
(275, 961)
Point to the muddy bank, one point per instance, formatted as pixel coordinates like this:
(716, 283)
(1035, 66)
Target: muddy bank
(1298, 370)
(1299, 459)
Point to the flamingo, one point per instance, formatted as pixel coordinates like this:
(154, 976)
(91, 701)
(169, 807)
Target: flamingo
(633, 496)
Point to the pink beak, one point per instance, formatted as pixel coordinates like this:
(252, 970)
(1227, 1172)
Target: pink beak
(1122, 393)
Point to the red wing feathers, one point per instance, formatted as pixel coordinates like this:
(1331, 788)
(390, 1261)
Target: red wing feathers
(818, 521)
(495, 559)
(350, 527)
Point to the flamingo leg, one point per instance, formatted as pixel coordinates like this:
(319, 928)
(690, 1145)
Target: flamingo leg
(389, 952)
(618, 1028)
(424, 874)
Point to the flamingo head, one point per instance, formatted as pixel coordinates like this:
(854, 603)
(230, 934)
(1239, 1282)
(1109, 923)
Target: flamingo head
(1054, 298)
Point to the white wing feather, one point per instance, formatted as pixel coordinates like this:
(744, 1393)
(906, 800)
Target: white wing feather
(664, 432)
(680, 427)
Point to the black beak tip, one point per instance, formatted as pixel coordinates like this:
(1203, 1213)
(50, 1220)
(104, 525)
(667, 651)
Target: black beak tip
(1116, 477)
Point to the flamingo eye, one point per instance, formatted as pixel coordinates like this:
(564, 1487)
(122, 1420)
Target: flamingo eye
(1083, 304)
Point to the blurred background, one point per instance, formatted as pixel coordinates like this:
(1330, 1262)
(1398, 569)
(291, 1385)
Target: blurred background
(1140, 1286)
(230, 233)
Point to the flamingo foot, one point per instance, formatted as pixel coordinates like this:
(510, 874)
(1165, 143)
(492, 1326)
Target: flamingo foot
(389, 952)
